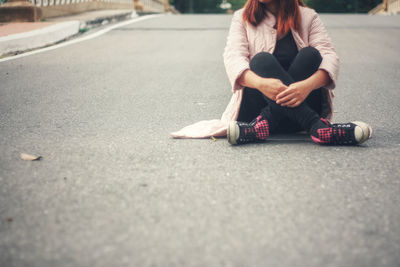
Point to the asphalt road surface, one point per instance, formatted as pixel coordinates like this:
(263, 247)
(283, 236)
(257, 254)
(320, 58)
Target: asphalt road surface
(113, 189)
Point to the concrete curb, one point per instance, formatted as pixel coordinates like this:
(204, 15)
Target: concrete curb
(38, 38)
(101, 20)
(21, 42)
(80, 39)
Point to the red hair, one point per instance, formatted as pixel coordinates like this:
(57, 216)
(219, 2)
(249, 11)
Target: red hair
(288, 16)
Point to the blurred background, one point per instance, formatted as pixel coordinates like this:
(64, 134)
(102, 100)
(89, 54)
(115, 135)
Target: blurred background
(39, 10)
(223, 6)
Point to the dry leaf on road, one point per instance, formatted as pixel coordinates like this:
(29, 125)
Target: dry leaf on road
(25, 156)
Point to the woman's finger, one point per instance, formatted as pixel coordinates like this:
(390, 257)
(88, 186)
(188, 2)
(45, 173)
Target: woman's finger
(282, 94)
(289, 102)
(295, 104)
(285, 99)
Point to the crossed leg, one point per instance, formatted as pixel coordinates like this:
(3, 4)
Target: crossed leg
(267, 115)
(266, 65)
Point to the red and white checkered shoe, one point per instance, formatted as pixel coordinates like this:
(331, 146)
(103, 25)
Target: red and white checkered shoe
(352, 133)
(243, 132)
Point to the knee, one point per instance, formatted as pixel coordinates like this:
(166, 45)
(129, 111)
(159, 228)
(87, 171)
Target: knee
(263, 61)
(311, 54)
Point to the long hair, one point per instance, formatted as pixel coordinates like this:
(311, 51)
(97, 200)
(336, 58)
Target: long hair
(288, 16)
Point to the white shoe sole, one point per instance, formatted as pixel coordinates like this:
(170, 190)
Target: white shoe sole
(233, 133)
(362, 132)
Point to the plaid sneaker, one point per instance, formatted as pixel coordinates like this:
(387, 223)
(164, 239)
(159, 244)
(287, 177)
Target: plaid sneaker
(243, 132)
(351, 133)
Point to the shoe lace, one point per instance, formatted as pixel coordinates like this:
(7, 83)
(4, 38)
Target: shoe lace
(342, 134)
(248, 133)
(257, 129)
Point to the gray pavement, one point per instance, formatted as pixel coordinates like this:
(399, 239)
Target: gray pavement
(113, 189)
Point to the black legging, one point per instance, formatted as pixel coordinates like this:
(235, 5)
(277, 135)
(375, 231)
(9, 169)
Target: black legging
(284, 119)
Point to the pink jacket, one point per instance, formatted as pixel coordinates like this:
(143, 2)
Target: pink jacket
(244, 42)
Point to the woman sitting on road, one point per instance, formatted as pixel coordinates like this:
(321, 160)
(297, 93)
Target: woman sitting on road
(282, 67)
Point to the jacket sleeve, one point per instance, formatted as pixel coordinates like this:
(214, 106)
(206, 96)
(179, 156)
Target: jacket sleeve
(319, 39)
(236, 53)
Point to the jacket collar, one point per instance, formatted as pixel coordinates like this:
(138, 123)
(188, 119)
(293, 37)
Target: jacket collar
(269, 19)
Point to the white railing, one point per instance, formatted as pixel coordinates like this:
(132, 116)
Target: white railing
(393, 6)
(387, 7)
(148, 5)
(44, 3)
(154, 5)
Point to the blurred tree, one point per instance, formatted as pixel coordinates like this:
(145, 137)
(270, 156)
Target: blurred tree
(343, 6)
(237, 4)
(204, 6)
(333, 6)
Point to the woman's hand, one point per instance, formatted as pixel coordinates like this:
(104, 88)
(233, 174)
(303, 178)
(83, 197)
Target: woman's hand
(294, 95)
(297, 92)
(271, 87)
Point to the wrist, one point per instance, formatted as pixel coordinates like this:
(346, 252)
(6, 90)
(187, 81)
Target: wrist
(307, 86)
(260, 84)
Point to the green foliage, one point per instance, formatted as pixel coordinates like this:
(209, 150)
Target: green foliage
(83, 30)
(3, 2)
(237, 4)
(342, 6)
(204, 6)
(332, 6)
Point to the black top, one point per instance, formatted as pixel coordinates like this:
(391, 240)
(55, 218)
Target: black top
(286, 50)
